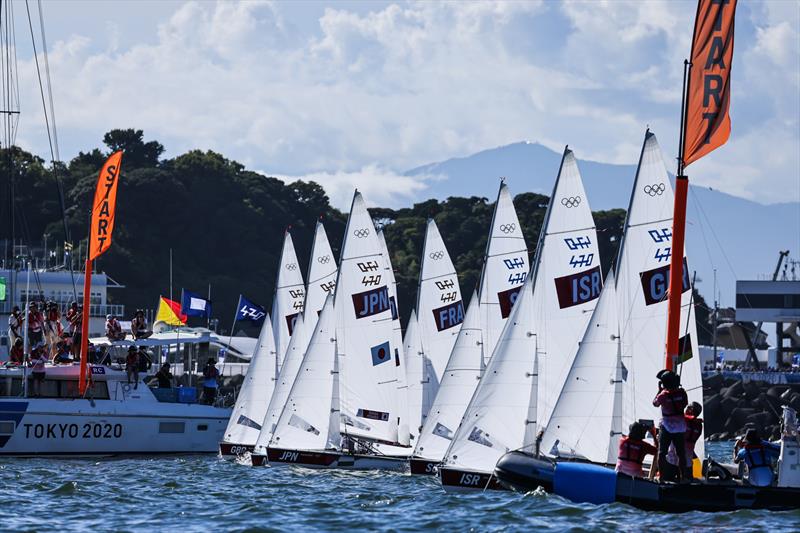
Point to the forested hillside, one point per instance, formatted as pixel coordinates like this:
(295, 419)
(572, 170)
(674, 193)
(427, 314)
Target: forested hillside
(225, 224)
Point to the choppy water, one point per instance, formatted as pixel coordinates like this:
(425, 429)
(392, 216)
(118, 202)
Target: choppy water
(203, 493)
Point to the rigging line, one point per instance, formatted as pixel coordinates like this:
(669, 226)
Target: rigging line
(49, 82)
(53, 158)
(714, 234)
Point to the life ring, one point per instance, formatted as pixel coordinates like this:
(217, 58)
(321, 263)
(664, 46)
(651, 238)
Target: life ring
(126, 387)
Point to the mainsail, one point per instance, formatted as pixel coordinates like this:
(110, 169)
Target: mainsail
(321, 274)
(439, 304)
(458, 384)
(310, 420)
(283, 384)
(289, 297)
(417, 370)
(642, 282)
(505, 269)
(244, 425)
(365, 333)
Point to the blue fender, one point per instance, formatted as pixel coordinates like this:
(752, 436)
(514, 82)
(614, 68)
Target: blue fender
(582, 482)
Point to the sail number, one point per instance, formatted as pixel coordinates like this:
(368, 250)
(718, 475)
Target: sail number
(448, 316)
(371, 302)
(655, 283)
(73, 431)
(579, 288)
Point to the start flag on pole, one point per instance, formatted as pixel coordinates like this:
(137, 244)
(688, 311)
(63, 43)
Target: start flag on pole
(169, 312)
(193, 304)
(247, 310)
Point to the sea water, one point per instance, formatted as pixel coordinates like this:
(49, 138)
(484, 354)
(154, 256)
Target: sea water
(205, 493)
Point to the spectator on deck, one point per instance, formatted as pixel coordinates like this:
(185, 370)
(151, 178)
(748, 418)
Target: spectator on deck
(210, 381)
(53, 329)
(114, 329)
(75, 319)
(145, 363)
(132, 366)
(38, 362)
(63, 356)
(164, 377)
(35, 325)
(15, 320)
(139, 326)
(17, 353)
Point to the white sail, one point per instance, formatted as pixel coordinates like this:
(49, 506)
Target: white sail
(321, 274)
(365, 333)
(439, 304)
(244, 425)
(416, 374)
(496, 419)
(504, 270)
(283, 384)
(458, 384)
(289, 297)
(306, 421)
(567, 283)
(642, 282)
(583, 423)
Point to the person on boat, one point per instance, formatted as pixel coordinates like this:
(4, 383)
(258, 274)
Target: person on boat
(63, 356)
(15, 320)
(35, 324)
(145, 363)
(758, 455)
(164, 377)
(694, 430)
(132, 366)
(17, 353)
(139, 326)
(53, 328)
(114, 329)
(633, 449)
(38, 362)
(210, 381)
(673, 400)
(75, 319)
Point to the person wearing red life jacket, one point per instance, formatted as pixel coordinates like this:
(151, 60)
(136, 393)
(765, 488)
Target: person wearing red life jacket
(52, 327)
(633, 449)
(673, 400)
(694, 430)
(35, 325)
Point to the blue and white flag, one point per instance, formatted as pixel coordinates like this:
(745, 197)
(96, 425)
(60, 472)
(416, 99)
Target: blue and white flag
(247, 310)
(193, 304)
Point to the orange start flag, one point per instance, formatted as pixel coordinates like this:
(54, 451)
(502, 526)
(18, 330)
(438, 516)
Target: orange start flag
(708, 97)
(104, 206)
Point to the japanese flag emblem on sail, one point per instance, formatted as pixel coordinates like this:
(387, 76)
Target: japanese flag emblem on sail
(381, 353)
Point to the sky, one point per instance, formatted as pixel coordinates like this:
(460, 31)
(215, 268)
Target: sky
(355, 93)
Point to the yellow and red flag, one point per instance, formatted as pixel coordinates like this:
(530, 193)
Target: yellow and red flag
(104, 206)
(169, 312)
(708, 97)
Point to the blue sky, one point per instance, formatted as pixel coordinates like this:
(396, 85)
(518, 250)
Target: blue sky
(355, 93)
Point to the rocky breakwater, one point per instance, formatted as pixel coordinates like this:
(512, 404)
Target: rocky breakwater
(732, 406)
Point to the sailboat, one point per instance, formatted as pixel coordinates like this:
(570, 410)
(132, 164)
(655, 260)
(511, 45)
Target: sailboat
(289, 297)
(455, 390)
(321, 283)
(440, 314)
(536, 348)
(418, 370)
(367, 394)
(244, 425)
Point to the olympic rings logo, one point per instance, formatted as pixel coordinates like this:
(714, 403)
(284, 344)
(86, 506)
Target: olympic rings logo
(291, 266)
(571, 201)
(361, 233)
(324, 259)
(655, 190)
(508, 228)
(436, 255)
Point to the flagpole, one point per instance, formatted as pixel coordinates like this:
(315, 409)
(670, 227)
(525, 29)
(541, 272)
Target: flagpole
(233, 325)
(208, 314)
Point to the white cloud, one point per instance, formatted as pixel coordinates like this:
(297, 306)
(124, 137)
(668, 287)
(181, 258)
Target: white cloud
(396, 86)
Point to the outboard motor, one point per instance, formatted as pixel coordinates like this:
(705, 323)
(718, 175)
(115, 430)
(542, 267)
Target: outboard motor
(789, 460)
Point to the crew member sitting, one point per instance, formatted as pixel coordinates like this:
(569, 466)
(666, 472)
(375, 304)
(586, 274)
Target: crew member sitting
(113, 329)
(632, 450)
(164, 377)
(758, 455)
(673, 400)
(63, 355)
(139, 326)
(694, 430)
(132, 366)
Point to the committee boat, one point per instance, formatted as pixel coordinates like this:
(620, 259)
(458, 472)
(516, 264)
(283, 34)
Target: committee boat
(113, 417)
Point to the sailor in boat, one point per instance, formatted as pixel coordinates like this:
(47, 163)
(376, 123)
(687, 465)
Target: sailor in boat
(132, 366)
(633, 449)
(673, 400)
(114, 329)
(139, 326)
(35, 324)
(758, 455)
(15, 325)
(694, 430)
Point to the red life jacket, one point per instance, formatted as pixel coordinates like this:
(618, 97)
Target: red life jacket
(631, 450)
(694, 429)
(673, 402)
(52, 315)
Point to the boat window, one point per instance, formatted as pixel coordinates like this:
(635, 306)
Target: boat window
(202, 427)
(171, 427)
(7, 428)
(97, 390)
(47, 388)
(10, 386)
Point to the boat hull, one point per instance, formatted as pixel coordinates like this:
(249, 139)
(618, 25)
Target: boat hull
(230, 450)
(325, 460)
(523, 472)
(458, 480)
(423, 467)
